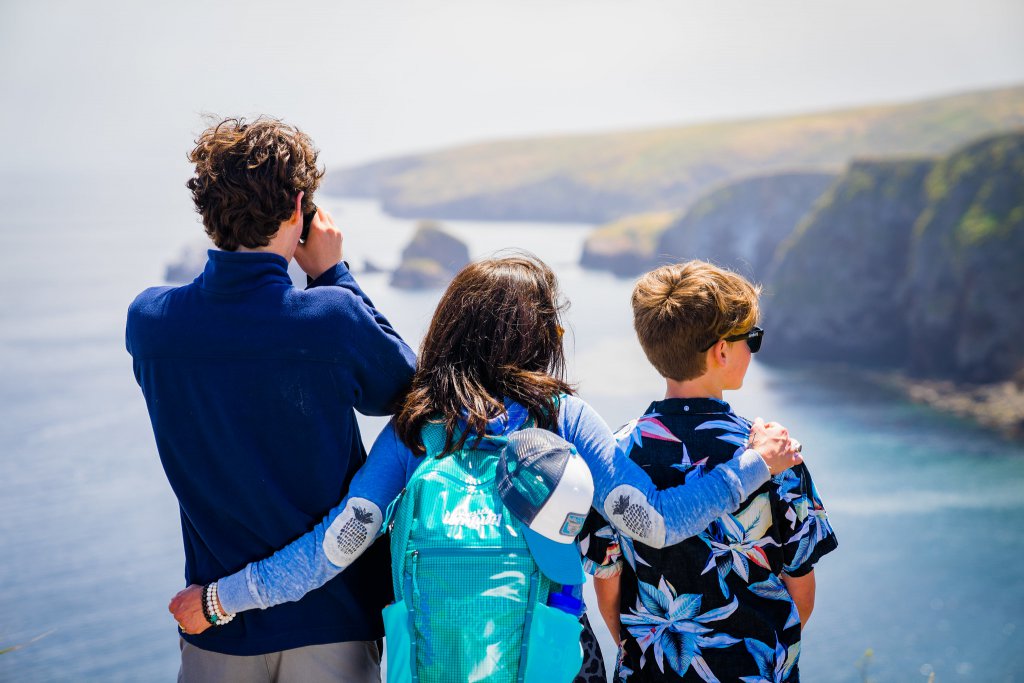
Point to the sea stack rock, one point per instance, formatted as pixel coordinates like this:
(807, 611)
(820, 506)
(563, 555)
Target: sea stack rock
(431, 259)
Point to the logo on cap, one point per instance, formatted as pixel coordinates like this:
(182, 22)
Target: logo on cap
(572, 525)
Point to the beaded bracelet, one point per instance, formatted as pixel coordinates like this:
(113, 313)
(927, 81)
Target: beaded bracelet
(211, 606)
(206, 612)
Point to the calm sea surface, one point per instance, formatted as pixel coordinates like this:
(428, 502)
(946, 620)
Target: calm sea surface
(929, 510)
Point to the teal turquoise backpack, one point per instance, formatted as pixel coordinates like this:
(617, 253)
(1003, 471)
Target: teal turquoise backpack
(470, 601)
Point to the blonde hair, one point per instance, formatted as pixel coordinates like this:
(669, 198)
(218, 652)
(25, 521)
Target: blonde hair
(680, 310)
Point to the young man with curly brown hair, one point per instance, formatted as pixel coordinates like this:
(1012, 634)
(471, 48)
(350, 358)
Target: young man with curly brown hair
(251, 386)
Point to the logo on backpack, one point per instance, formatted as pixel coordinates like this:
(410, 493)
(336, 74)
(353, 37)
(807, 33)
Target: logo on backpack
(475, 520)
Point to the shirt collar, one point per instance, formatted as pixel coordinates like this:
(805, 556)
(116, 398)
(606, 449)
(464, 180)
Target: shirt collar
(229, 272)
(513, 418)
(689, 406)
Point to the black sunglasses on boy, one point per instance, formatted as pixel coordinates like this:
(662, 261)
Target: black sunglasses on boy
(753, 338)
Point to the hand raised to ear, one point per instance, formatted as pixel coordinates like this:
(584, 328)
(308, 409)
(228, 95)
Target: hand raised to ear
(323, 248)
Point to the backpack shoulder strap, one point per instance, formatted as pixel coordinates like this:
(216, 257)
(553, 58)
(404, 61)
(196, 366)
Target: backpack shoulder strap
(434, 436)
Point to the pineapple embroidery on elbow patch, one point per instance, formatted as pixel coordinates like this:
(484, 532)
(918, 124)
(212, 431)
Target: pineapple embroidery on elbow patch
(628, 510)
(353, 535)
(352, 531)
(634, 516)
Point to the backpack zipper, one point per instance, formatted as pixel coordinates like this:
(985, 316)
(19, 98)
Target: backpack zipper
(452, 552)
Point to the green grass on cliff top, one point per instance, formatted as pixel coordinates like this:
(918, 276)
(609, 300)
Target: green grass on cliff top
(649, 163)
(983, 185)
(639, 231)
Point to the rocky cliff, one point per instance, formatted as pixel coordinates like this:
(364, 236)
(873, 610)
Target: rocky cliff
(738, 225)
(836, 287)
(912, 264)
(966, 278)
(741, 225)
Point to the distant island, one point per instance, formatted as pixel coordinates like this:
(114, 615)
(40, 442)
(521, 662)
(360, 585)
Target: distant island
(627, 246)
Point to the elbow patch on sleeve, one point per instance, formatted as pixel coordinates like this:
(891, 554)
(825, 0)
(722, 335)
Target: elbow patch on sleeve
(352, 532)
(629, 511)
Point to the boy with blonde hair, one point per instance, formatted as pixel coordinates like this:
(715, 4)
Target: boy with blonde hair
(728, 604)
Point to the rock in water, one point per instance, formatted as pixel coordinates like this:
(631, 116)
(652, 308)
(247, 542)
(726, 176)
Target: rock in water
(430, 259)
(420, 273)
(370, 266)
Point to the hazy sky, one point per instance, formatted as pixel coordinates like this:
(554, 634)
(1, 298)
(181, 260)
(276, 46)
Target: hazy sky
(109, 84)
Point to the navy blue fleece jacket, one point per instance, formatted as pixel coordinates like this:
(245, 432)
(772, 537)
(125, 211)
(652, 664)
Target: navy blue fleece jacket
(251, 386)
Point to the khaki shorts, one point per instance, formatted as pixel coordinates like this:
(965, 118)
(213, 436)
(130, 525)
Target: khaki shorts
(352, 662)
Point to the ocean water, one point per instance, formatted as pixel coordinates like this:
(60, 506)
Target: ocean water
(929, 510)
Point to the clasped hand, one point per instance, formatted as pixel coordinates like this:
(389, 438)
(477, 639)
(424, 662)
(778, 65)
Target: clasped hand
(772, 441)
(187, 608)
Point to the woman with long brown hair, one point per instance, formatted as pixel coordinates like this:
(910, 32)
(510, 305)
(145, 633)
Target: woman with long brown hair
(491, 363)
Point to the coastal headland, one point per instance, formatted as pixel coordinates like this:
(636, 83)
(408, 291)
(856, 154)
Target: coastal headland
(888, 238)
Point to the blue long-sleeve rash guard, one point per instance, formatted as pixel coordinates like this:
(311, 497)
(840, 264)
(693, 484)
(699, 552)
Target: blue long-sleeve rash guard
(674, 514)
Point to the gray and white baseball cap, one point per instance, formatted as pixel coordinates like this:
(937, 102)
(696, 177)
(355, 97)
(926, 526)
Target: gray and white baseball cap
(545, 483)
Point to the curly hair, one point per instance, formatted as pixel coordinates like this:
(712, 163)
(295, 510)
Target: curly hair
(247, 176)
(496, 334)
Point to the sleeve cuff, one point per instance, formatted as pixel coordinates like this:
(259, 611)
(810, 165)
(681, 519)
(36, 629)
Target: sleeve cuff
(752, 471)
(599, 571)
(234, 594)
(332, 276)
(824, 547)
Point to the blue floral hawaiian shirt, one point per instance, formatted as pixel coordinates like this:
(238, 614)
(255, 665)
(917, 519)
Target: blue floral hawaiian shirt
(713, 607)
